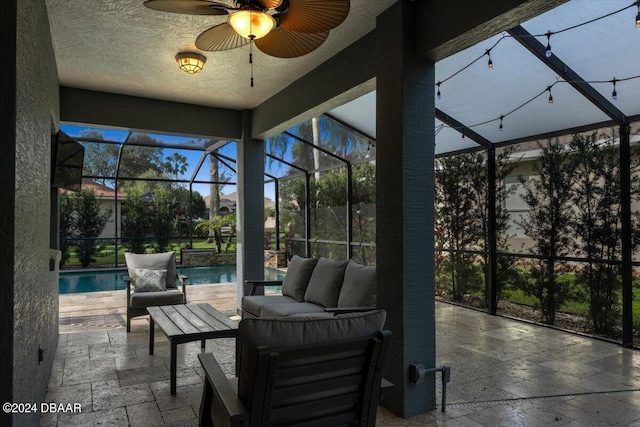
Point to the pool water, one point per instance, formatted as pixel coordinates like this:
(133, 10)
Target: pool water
(111, 280)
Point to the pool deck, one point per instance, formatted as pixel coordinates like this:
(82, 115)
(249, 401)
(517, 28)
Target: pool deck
(504, 372)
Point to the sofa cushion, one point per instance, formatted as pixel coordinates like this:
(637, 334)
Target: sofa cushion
(281, 310)
(149, 299)
(161, 261)
(150, 280)
(253, 304)
(358, 286)
(325, 283)
(297, 278)
(285, 332)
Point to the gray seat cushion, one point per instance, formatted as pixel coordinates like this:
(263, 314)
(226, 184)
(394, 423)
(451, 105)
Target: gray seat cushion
(289, 332)
(358, 286)
(297, 278)
(253, 304)
(161, 261)
(281, 310)
(149, 299)
(325, 283)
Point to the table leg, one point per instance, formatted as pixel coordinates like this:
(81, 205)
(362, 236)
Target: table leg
(174, 357)
(203, 344)
(152, 330)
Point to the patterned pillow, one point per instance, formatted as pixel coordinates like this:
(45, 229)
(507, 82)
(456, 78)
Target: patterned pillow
(150, 280)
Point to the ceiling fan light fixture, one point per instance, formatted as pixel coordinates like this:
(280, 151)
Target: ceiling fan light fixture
(190, 62)
(252, 24)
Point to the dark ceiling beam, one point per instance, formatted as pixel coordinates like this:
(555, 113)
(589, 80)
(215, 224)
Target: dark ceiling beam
(149, 115)
(564, 71)
(450, 121)
(447, 27)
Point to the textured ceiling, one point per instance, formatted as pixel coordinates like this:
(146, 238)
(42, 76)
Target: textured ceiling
(122, 47)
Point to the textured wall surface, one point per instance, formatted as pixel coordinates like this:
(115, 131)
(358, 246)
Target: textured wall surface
(36, 290)
(7, 168)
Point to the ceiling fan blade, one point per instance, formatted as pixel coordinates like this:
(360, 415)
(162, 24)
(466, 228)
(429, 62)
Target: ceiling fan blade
(270, 4)
(220, 37)
(314, 16)
(283, 43)
(189, 7)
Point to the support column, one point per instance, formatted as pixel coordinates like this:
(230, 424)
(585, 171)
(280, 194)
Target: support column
(491, 280)
(404, 191)
(627, 244)
(249, 209)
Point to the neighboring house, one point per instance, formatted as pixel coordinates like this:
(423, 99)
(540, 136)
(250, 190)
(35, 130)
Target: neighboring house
(107, 197)
(228, 203)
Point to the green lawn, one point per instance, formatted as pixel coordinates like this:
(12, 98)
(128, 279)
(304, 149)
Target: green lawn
(106, 256)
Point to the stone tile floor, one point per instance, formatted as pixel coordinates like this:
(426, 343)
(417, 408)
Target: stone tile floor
(504, 372)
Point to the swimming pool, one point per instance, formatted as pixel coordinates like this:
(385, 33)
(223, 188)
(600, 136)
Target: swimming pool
(111, 280)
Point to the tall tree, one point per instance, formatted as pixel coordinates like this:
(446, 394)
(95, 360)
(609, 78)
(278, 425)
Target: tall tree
(135, 220)
(67, 226)
(89, 222)
(551, 213)
(214, 196)
(176, 165)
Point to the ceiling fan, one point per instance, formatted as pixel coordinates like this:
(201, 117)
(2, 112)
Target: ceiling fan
(279, 28)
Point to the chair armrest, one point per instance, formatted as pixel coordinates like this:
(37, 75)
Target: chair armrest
(225, 401)
(183, 281)
(255, 284)
(128, 280)
(345, 310)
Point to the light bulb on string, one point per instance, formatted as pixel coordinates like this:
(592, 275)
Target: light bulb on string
(548, 51)
(490, 62)
(438, 93)
(614, 94)
(463, 136)
(501, 129)
(638, 17)
(550, 96)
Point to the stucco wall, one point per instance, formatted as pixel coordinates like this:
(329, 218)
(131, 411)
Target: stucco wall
(35, 287)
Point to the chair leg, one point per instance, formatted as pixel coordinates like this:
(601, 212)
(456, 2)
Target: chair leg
(128, 323)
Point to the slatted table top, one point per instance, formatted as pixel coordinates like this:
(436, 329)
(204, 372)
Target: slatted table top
(193, 321)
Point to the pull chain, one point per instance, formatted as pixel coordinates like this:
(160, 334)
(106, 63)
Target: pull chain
(251, 59)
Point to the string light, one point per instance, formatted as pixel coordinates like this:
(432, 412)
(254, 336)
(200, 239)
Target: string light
(614, 94)
(550, 96)
(501, 129)
(438, 94)
(463, 136)
(490, 62)
(548, 51)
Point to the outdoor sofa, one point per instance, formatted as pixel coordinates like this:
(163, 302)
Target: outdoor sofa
(317, 288)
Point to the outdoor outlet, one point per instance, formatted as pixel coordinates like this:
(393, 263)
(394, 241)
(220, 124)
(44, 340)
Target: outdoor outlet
(416, 373)
(40, 354)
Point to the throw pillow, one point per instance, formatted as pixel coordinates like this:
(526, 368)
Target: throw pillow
(325, 283)
(297, 278)
(359, 286)
(150, 280)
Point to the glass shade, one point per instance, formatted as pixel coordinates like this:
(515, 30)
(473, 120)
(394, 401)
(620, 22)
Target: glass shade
(251, 24)
(190, 62)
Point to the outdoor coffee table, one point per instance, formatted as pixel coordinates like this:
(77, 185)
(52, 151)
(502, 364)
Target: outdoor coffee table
(189, 322)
